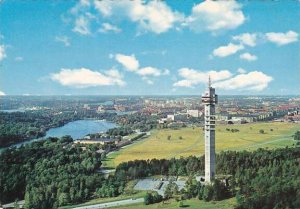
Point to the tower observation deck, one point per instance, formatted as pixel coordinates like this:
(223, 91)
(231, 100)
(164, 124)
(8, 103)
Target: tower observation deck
(209, 99)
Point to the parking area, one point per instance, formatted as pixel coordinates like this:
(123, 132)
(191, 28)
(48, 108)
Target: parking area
(157, 185)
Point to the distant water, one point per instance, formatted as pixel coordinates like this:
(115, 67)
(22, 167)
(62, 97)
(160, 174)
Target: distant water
(13, 110)
(80, 128)
(76, 129)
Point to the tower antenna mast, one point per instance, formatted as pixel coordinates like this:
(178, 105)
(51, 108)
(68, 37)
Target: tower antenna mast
(209, 81)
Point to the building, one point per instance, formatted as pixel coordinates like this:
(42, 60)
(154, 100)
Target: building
(100, 109)
(293, 116)
(223, 117)
(209, 99)
(177, 117)
(102, 141)
(171, 117)
(244, 118)
(193, 113)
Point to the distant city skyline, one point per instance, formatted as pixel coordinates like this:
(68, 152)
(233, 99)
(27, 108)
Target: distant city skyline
(149, 47)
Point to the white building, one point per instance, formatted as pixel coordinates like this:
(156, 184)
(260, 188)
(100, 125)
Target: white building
(193, 113)
(171, 117)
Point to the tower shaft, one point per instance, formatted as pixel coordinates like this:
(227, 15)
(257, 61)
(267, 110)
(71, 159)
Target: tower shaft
(209, 99)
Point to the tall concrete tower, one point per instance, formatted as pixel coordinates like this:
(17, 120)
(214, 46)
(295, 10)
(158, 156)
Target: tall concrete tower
(209, 99)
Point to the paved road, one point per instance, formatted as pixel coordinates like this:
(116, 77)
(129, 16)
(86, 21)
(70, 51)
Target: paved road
(11, 205)
(112, 204)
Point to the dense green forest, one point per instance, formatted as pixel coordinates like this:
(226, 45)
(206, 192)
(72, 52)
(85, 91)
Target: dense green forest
(55, 172)
(52, 173)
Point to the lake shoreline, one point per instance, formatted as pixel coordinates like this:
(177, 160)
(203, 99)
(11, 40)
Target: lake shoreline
(87, 125)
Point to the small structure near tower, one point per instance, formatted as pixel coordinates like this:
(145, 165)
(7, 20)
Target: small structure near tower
(209, 99)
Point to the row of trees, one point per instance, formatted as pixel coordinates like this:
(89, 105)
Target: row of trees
(120, 131)
(173, 167)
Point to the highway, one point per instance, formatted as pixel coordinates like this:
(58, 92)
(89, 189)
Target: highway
(112, 204)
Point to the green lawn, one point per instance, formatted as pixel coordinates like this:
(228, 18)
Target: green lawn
(190, 141)
(190, 204)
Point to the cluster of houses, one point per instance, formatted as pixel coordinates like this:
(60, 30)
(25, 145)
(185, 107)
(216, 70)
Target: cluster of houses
(110, 143)
(226, 118)
(181, 116)
(103, 140)
(221, 117)
(293, 116)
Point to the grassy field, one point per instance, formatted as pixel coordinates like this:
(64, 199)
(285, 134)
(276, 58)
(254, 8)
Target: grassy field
(190, 204)
(190, 141)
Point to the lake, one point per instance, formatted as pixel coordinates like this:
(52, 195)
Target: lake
(80, 128)
(76, 129)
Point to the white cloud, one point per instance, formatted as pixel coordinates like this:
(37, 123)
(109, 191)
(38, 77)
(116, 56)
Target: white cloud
(241, 70)
(224, 51)
(157, 16)
(106, 7)
(19, 59)
(131, 64)
(82, 25)
(249, 57)
(166, 72)
(114, 73)
(282, 38)
(246, 38)
(63, 39)
(83, 77)
(149, 71)
(154, 16)
(193, 77)
(80, 6)
(128, 61)
(252, 81)
(148, 81)
(106, 27)
(2, 52)
(2, 93)
(215, 16)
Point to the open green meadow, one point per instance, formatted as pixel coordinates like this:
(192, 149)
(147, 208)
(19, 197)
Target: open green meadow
(168, 143)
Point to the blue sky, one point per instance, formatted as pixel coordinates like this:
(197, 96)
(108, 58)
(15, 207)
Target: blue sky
(149, 47)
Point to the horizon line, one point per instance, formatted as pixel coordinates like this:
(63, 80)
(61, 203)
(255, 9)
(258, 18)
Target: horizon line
(41, 95)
